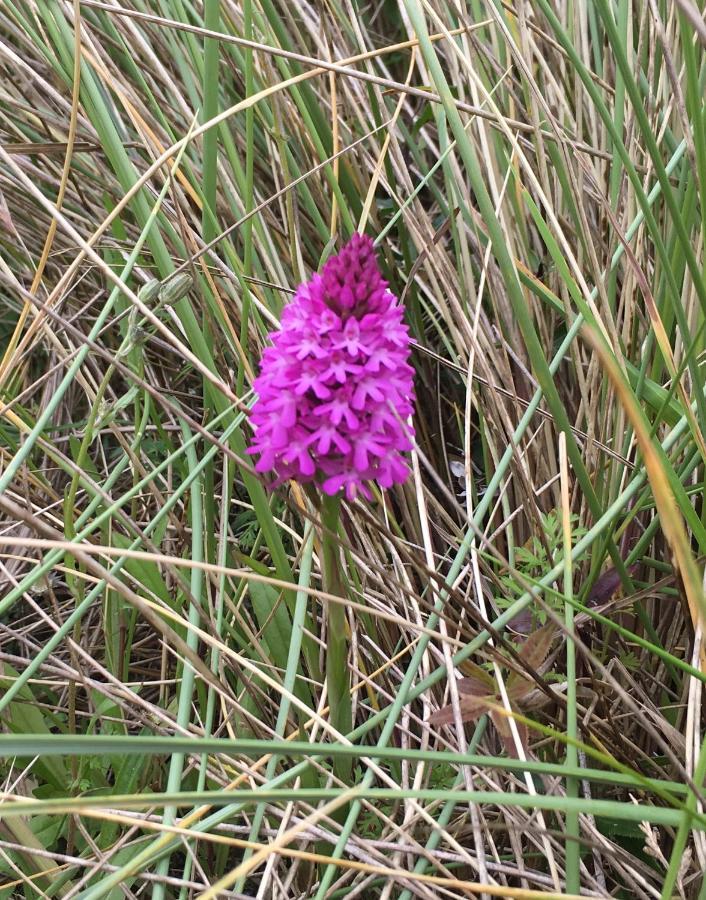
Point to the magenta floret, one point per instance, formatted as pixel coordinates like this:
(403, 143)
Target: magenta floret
(336, 387)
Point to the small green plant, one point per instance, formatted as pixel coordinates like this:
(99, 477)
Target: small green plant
(246, 528)
(630, 661)
(534, 559)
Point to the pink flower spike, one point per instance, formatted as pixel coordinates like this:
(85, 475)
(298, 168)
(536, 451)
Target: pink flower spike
(336, 386)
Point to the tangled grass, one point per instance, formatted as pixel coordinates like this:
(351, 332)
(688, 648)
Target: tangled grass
(534, 177)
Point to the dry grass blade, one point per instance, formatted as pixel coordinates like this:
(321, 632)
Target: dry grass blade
(670, 518)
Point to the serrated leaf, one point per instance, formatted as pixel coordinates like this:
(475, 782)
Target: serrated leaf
(619, 827)
(471, 708)
(502, 726)
(532, 652)
(535, 648)
(473, 687)
(525, 555)
(477, 683)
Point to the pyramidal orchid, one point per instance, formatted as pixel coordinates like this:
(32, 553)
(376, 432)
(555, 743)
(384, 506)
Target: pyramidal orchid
(334, 393)
(335, 388)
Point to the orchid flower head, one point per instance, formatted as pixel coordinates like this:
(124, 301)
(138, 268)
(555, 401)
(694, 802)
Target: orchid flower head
(335, 389)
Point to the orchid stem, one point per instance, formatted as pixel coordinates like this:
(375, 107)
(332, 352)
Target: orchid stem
(337, 674)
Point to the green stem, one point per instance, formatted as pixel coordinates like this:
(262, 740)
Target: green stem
(188, 675)
(337, 677)
(669, 885)
(247, 229)
(210, 110)
(573, 830)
